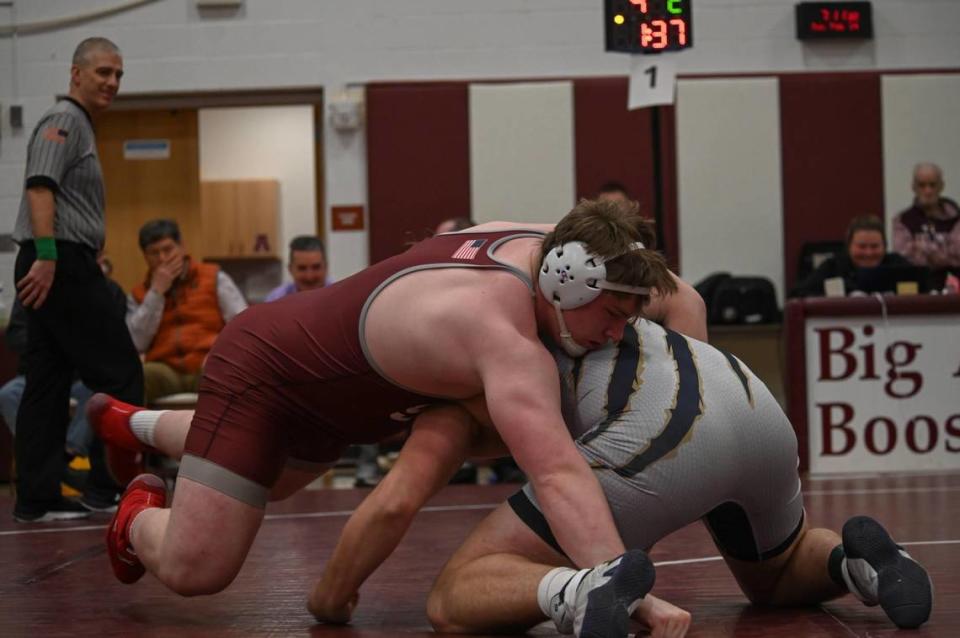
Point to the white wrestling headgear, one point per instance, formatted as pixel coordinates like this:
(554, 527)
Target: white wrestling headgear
(571, 276)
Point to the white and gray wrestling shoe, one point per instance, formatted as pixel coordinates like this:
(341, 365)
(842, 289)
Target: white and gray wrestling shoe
(603, 598)
(878, 571)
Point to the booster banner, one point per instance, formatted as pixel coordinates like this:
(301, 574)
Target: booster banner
(883, 394)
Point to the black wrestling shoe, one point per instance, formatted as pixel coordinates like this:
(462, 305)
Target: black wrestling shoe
(612, 591)
(877, 570)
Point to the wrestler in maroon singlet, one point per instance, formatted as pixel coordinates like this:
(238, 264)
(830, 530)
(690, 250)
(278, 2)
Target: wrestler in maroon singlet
(289, 379)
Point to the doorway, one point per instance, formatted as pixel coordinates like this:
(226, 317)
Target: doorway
(140, 187)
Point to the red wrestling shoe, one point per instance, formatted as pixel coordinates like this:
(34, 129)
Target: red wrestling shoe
(124, 452)
(144, 491)
(110, 418)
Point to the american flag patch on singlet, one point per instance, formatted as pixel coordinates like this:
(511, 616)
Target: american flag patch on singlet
(469, 249)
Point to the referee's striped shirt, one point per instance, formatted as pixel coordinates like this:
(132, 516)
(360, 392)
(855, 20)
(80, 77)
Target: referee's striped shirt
(62, 156)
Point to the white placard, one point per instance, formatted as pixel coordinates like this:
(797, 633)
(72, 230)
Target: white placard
(146, 149)
(834, 287)
(653, 81)
(882, 396)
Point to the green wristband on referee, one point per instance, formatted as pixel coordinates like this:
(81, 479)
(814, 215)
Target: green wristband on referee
(46, 248)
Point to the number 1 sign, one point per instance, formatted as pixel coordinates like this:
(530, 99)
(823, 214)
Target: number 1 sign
(653, 81)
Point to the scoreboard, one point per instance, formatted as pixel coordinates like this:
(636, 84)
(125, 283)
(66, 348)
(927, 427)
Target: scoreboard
(648, 26)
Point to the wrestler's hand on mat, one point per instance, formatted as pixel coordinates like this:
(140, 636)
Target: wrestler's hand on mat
(661, 618)
(332, 612)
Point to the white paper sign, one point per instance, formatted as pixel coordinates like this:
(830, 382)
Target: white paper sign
(146, 149)
(834, 287)
(653, 81)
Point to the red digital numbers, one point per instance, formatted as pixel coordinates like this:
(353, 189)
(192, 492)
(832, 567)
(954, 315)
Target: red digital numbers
(839, 15)
(656, 34)
(681, 30)
(837, 21)
(818, 20)
(648, 26)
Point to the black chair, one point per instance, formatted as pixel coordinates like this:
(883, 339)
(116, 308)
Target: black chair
(744, 300)
(813, 253)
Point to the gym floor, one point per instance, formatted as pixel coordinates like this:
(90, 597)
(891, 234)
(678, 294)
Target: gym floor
(56, 580)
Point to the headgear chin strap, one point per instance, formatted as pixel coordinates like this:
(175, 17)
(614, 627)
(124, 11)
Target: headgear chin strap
(571, 276)
(569, 346)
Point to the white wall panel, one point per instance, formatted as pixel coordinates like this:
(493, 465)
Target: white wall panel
(729, 178)
(521, 151)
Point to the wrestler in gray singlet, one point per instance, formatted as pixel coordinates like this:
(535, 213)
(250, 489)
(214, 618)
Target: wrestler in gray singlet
(676, 431)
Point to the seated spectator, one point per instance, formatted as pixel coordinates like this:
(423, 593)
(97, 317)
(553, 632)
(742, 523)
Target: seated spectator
(865, 248)
(613, 191)
(177, 313)
(928, 233)
(307, 266)
(454, 224)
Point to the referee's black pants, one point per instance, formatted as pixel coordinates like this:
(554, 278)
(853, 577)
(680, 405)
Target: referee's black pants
(77, 329)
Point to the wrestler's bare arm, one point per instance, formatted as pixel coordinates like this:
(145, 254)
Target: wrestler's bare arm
(522, 390)
(431, 455)
(683, 311)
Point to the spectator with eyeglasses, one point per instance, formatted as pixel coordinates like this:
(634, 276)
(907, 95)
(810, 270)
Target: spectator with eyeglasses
(928, 233)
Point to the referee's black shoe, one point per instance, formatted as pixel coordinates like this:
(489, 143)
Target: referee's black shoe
(64, 510)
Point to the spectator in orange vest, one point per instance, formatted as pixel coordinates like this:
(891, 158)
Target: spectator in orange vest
(175, 315)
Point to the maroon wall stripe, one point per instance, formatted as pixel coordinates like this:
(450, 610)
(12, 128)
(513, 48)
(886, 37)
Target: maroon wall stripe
(418, 161)
(610, 142)
(668, 178)
(614, 144)
(832, 157)
(796, 376)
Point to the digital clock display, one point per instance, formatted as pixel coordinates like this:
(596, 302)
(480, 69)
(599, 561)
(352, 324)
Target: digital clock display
(648, 26)
(834, 20)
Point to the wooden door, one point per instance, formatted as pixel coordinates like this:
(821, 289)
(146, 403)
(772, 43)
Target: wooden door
(139, 190)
